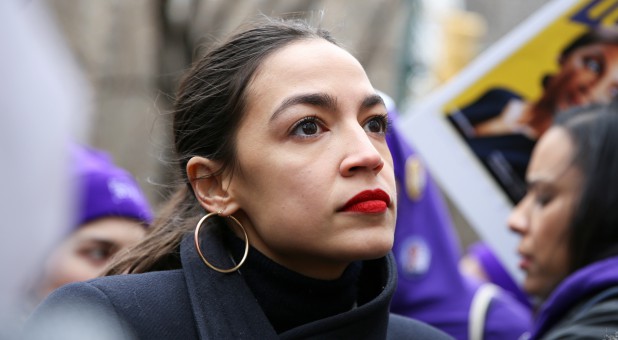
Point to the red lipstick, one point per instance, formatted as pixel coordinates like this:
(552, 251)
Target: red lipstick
(369, 202)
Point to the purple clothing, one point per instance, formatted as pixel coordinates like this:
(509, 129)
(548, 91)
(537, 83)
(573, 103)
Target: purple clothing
(496, 272)
(430, 286)
(105, 189)
(575, 289)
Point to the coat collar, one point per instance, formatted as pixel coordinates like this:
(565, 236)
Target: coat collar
(576, 287)
(224, 306)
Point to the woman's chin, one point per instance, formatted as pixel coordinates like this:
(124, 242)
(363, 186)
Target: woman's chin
(375, 249)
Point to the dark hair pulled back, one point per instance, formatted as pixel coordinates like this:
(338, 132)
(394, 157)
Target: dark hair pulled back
(209, 107)
(594, 226)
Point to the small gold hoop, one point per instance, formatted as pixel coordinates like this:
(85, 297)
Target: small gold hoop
(199, 251)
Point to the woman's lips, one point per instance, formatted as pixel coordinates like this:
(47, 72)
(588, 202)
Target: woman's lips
(368, 201)
(525, 262)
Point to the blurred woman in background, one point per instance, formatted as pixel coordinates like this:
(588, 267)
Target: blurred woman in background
(568, 224)
(111, 214)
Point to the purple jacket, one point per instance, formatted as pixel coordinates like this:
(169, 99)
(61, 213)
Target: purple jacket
(430, 286)
(566, 311)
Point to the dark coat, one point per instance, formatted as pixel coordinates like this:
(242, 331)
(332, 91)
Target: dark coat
(583, 306)
(196, 302)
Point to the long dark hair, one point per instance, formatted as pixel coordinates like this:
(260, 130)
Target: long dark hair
(594, 226)
(209, 106)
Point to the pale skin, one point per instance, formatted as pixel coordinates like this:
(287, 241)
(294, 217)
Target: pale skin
(312, 137)
(542, 217)
(86, 252)
(588, 75)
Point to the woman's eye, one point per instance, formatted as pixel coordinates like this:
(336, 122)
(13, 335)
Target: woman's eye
(96, 254)
(593, 65)
(308, 126)
(377, 124)
(542, 200)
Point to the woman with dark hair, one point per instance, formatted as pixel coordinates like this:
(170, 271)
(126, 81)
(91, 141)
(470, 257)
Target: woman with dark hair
(286, 217)
(502, 127)
(568, 222)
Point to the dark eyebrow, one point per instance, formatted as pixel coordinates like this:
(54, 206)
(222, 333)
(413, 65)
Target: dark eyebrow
(547, 182)
(98, 240)
(371, 101)
(323, 100)
(531, 185)
(314, 99)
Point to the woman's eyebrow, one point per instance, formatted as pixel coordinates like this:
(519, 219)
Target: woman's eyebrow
(536, 184)
(97, 240)
(323, 100)
(314, 99)
(371, 101)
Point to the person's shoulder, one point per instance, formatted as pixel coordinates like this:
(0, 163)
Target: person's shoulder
(143, 295)
(401, 327)
(594, 318)
(76, 311)
(123, 306)
(148, 280)
(123, 286)
(602, 307)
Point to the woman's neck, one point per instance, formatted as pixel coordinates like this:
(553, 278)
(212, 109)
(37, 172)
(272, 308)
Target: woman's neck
(290, 299)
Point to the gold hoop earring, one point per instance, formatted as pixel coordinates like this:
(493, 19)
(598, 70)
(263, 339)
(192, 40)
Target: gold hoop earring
(199, 251)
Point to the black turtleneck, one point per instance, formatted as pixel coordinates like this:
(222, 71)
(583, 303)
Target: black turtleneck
(290, 299)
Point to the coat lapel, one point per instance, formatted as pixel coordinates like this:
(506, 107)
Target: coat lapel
(223, 305)
(225, 308)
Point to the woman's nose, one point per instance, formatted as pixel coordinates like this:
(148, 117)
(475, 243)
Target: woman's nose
(518, 219)
(360, 154)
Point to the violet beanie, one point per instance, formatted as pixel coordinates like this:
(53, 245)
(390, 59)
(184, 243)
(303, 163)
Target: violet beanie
(104, 189)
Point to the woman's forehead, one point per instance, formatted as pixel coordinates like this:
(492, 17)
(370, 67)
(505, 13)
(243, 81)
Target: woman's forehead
(307, 58)
(307, 66)
(552, 159)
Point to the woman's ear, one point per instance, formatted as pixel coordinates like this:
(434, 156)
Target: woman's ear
(209, 187)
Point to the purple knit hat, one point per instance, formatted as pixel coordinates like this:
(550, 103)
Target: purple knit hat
(105, 189)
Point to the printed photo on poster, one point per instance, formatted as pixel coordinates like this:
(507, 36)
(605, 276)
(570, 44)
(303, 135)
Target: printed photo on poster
(574, 62)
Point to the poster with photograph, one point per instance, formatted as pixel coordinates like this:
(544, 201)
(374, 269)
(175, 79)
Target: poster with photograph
(477, 132)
